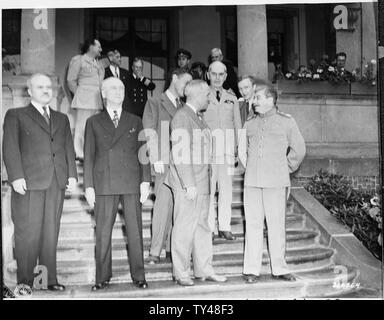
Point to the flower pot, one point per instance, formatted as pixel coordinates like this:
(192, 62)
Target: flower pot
(312, 87)
(363, 88)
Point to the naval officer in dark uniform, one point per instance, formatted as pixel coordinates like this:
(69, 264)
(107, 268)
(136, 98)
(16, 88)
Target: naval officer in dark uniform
(137, 88)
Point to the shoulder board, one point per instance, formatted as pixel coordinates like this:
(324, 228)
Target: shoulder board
(230, 92)
(284, 114)
(75, 58)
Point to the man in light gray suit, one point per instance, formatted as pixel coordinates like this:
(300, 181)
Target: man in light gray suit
(189, 178)
(157, 117)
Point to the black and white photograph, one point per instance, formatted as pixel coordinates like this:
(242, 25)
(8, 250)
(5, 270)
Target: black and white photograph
(165, 151)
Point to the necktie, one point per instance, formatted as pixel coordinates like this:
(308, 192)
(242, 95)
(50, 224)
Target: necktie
(45, 114)
(115, 118)
(178, 103)
(199, 115)
(116, 74)
(218, 96)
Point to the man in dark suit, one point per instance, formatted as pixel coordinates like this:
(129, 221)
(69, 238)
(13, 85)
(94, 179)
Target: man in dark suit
(113, 172)
(138, 87)
(248, 85)
(189, 178)
(114, 70)
(40, 160)
(157, 118)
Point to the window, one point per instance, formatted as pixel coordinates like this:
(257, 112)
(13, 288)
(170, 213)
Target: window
(141, 34)
(11, 26)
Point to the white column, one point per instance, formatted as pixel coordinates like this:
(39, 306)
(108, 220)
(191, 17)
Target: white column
(252, 41)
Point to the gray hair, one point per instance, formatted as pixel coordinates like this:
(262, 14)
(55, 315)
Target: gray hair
(107, 81)
(35, 75)
(194, 88)
(217, 62)
(218, 50)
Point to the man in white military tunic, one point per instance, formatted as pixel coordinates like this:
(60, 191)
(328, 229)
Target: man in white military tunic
(223, 118)
(271, 149)
(84, 78)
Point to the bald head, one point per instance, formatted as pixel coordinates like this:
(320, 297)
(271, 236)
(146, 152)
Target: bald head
(217, 73)
(40, 88)
(112, 90)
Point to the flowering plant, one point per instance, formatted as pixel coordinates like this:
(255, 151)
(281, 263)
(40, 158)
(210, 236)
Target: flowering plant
(359, 210)
(373, 209)
(369, 73)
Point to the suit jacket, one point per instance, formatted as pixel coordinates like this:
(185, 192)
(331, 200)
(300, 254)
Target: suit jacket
(35, 151)
(223, 115)
(158, 111)
(111, 155)
(138, 94)
(245, 113)
(84, 80)
(123, 76)
(194, 168)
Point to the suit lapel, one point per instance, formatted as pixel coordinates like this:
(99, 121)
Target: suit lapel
(36, 116)
(168, 105)
(54, 120)
(201, 123)
(106, 122)
(122, 127)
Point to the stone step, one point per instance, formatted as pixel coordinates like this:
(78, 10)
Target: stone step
(314, 283)
(84, 230)
(85, 249)
(82, 272)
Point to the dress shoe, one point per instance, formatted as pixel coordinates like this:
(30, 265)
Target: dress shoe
(186, 282)
(152, 260)
(251, 278)
(142, 284)
(99, 286)
(56, 287)
(285, 277)
(168, 257)
(213, 277)
(227, 235)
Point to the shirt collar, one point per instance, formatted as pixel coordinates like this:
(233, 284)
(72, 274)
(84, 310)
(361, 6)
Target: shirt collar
(268, 113)
(171, 97)
(39, 107)
(192, 107)
(112, 113)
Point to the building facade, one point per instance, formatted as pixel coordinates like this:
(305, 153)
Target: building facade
(254, 38)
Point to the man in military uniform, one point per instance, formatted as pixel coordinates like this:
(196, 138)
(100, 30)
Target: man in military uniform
(183, 58)
(137, 88)
(271, 149)
(84, 78)
(223, 118)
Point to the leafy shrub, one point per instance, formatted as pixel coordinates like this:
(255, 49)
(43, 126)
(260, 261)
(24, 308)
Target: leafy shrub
(357, 209)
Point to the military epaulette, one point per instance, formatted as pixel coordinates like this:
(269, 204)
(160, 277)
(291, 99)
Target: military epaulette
(284, 114)
(230, 91)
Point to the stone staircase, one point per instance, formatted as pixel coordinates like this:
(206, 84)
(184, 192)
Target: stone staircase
(312, 262)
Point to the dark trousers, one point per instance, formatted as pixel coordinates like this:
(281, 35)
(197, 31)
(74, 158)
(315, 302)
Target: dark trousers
(36, 217)
(105, 214)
